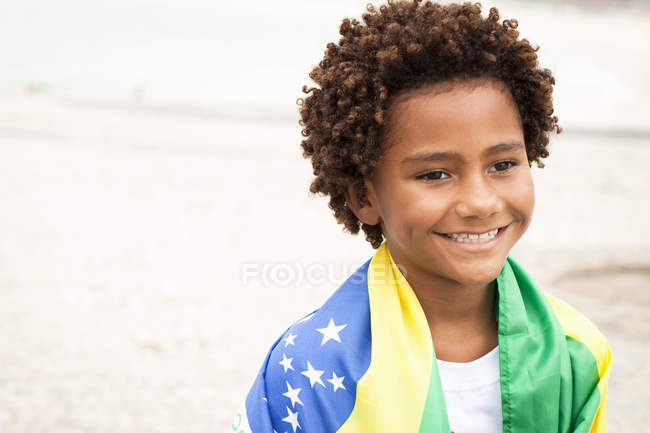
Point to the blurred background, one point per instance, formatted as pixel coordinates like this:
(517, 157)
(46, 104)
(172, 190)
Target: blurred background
(155, 213)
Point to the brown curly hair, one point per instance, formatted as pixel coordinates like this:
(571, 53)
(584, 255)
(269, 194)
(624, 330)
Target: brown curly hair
(399, 47)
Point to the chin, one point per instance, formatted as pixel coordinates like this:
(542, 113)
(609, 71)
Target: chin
(477, 274)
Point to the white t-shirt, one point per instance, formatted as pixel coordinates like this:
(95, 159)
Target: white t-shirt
(473, 394)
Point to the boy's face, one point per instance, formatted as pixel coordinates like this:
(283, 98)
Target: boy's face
(455, 169)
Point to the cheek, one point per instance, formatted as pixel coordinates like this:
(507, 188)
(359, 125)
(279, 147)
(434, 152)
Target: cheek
(412, 211)
(425, 210)
(523, 196)
(429, 207)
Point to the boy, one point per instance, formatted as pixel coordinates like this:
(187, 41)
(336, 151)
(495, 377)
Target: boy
(422, 133)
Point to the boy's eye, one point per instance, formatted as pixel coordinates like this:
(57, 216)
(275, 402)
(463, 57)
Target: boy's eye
(502, 166)
(434, 175)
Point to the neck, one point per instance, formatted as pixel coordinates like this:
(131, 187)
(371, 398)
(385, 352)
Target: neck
(456, 313)
(448, 304)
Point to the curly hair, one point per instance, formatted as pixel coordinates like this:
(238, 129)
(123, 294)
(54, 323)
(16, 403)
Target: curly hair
(404, 46)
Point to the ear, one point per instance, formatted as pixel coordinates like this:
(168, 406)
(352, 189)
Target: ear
(368, 214)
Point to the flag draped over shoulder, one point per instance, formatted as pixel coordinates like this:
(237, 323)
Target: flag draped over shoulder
(365, 362)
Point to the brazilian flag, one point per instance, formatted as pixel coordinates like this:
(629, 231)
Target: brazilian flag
(365, 362)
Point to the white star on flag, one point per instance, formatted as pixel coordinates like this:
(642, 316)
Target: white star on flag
(286, 363)
(292, 418)
(313, 375)
(292, 394)
(336, 381)
(289, 339)
(331, 332)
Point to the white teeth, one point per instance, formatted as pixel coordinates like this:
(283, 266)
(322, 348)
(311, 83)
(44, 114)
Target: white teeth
(473, 237)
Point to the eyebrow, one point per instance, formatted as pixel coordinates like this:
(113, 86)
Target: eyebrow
(432, 157)
(503, 147)
(446, 156)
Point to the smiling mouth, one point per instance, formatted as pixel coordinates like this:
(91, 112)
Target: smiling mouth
(474, 238)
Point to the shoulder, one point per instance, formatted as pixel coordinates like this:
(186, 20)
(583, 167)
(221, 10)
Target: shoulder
(313, 367)
(580, 329)
(336, 327)
(584, 339)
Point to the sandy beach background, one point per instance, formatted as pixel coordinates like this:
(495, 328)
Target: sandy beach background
(149, 156)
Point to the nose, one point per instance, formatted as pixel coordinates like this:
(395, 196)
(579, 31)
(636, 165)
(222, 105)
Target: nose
(478, 198)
